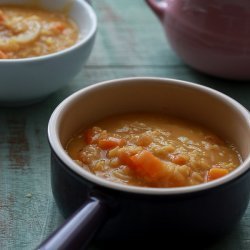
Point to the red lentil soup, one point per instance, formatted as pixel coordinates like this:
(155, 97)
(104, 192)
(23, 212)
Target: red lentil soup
(152, 150)
(31, 32)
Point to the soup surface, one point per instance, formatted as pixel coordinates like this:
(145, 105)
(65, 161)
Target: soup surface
(31, 32)
(152, 151)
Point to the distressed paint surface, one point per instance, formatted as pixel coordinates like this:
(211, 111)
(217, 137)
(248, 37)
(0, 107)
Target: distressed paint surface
(130, 42)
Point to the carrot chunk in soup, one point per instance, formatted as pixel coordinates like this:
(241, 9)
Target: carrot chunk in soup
(145, 164)
(111, 142)
(3, 55)
(1, 17)
(215, 173)
(89, 136)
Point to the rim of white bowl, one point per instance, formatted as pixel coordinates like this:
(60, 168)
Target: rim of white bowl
(82, 39)
(65, 158)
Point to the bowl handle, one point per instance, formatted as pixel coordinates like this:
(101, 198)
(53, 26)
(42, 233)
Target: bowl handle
(80, 228)
(159, 7)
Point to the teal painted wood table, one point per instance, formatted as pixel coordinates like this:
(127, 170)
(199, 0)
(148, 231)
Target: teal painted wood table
(130, 42)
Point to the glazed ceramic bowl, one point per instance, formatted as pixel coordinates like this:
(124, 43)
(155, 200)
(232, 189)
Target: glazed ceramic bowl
(25, 81)
(128, 212)
(210, 36)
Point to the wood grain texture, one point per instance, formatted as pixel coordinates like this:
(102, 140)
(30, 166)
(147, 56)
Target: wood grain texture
(130, 42)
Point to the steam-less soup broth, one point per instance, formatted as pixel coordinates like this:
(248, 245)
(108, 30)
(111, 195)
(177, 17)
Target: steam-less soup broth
(31, 32)
(153, 151)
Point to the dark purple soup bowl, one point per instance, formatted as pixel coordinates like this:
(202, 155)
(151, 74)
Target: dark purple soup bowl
(97, 208)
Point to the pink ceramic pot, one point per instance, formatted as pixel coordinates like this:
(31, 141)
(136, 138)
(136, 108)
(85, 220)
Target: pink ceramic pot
(212, 36)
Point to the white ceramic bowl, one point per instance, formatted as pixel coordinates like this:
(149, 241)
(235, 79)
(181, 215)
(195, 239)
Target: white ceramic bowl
(29, 80)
